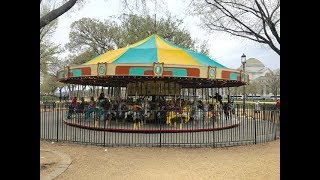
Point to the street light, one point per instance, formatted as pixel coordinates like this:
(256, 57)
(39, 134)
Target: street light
(243, 61)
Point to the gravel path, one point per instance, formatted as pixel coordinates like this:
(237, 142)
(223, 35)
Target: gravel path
(256, 162)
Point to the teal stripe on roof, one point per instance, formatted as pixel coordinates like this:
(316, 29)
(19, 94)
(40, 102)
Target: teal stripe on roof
(136, 55)
(151, 43)
(199, 57)
(203, 59)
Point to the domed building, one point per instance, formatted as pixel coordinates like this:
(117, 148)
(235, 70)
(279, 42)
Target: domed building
(255, 68)
(257, 73)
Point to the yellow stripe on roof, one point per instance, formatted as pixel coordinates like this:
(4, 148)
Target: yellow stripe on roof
(108, 56)
(171, 55)
(175, 57)
(163, 45)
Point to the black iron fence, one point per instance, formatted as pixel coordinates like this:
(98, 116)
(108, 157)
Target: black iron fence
(188, 128)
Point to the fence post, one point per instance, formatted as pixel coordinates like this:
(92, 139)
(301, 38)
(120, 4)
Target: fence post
(275, 126)
(160, 131)
(104, 134)
(213, 131)
(57, 122)
(276, 123)
(255, 127)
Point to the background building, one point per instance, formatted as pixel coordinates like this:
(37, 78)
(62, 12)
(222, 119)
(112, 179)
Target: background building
(255, 68)
(259, 76)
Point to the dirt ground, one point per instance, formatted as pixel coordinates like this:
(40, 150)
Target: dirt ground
(256, 162)
(48, 161)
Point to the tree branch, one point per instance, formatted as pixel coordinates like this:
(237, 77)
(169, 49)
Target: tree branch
(46, 19)
(222, 7)
(244, 8)
(275, 9)
(271, 25)
(237, 20)
(264, 5)
(236, 33)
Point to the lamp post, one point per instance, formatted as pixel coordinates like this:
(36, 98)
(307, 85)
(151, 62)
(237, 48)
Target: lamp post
(243, 61)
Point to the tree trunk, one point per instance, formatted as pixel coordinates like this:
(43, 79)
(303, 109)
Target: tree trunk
(46, 19)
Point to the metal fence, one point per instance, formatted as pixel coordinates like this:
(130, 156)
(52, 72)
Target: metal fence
(202, 128)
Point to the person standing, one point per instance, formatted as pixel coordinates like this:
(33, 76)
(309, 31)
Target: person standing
(278, 104)
(257, 107)
(72, 107)
(91, 107)
(101, 105)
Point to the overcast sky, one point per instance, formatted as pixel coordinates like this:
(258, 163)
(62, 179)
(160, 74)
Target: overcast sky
(225, 49)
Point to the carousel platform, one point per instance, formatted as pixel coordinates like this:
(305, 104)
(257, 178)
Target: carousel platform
(154, 127)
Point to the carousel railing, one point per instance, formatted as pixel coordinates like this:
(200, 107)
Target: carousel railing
(187, 127)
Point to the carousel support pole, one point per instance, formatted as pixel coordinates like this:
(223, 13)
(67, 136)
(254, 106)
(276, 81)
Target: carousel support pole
(229, 95)
(205, 94)
(202, 94)
(111, 93)
(217, 91)
(208, 95)
(85, 93)
(71, 94)
(180, 101)
(174, 91)
(83, 90)
(120, 93)
(136, 91)
(183, 92)
(97, 91)
(211, 89)
(79, 89)
(188, 93)
(126, 93)
(195, 94)
(141, 86)
(94, 88)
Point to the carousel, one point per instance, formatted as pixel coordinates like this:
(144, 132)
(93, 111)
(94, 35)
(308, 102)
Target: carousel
(153, 86)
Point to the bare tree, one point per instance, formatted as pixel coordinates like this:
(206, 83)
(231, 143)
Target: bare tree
(252, 88)
(257, 20)
(273, 82)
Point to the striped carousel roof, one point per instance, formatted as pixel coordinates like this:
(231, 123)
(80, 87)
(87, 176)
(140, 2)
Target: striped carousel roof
(154, 49)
